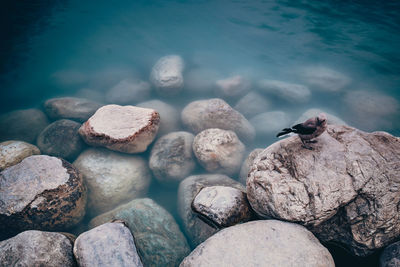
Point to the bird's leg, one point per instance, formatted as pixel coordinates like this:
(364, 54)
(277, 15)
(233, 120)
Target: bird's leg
(304, 144)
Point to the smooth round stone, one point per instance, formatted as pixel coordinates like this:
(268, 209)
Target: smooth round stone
(219, 151)
(252, 104)
(89, 247)
(324, 79)
(166, 75)
(390, 256)
(271, 122)
(126, 129)
(112, 178)
(23, 125)
(291, 92)
(61, 139)
(232, 87)
(37, 248)
(314, 112)
(171, 158)
(13, 152)
(41, 192)
(244, 170)
(73, 108)
(128, 92)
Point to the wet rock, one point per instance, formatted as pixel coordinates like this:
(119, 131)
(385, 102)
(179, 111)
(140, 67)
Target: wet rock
(219, 151)
(314, 112)
(344, 190)
(70, 77)
(261, 243)
(232, 87)
(13, 152)
(128, 92)
(252, 104)
(61, 139)
(37, 248)
(390, 256)
(169, 116)
(157, 236)
(22, 124)
(201, 80)
(126, 129)
(291, 92)
(268, 123)
(195, 228)
(91, 94)
(324, 79)
(171, 158)
(41, 192)
(110, 244)
(112, 178)
(222, 206)
(244, 170)
(73, 108)
(166, 75)
(216, 113)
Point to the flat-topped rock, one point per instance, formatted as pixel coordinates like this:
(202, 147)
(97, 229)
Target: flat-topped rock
(126, 129)
(166, 75)
(13, 152)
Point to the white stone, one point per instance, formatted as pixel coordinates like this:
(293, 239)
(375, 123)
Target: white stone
(166, 75)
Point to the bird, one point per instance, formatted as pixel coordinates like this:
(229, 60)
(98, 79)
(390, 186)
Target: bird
(308, 130)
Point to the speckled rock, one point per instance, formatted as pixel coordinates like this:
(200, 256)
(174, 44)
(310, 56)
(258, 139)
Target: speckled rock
(252, 104)
(157, 236)
(112, 178)
(219, 151)
(346, 190)
(61, 139)
(37, 248)
(126, 129)
(261, 243)
(232, 87)
(216, 113)
(41, 192)
(195, 228)
(13, 152)
(324, 79)
(271, 122)
(166, 75)
(128, 91)
(314, 112)
(110, 244)
(22, 124)
(73, 108)
(390, 256)
(291, 92)
(244, 170)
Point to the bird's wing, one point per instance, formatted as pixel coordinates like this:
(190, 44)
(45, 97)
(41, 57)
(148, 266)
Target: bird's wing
(303, 128)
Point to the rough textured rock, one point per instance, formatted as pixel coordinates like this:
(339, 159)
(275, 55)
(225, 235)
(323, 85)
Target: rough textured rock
(222, 206)
(61, 139)
(390, 256)
(112, 178)
(171, 158)
(232, 87)
(268, 123)
(324, 79)
(314, 112)
(346, 190)
(166, 75)
(157, 236)
(195, 228)
(41, 192)
(291, 92)
(244, 170)
(219, 151)
(73, 108)
(252, 104)
(261, 243)
(126, 129)
(110, 244)
(22, 124)
(37, 248)
(128, 91)
(13, 152)
(201, 80)
(216, 113)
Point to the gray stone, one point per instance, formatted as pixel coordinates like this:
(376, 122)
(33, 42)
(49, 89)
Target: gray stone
(61, 139)
(195, 228)
(346, 190)
(390, 256)
(157, 236)
(233, 87)
(128, 91)
(261, 243)
(244, 170)
(37, 248)
(271, 122)
(171, 158)
(324, 79)
(314, 112)
(252, 104)
(216, 113)
(291, 92)
(126, 129)
(41, 192)
(13, 152)
(73, 108)
(166, 75)
(110, 244)
(22, 124)
(219, 151)
(112, 178)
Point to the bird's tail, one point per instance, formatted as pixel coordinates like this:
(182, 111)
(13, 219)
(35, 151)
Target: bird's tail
(284, 131)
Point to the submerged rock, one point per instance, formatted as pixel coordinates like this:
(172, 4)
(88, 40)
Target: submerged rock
(232, 87)
(268, 123)
(252, 104)
(91, 94)
(157, 236)
(390, 256)
(201, 80)
(126, 129)
(41, 192)
(324, 78)
(261, 243)
(13, 152)
(166, 75)
(291, 92)
(128, 91)
(314, 112)
(244, 170)
(345, 190)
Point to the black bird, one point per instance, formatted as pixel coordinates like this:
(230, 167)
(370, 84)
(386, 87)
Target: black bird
(308, 130)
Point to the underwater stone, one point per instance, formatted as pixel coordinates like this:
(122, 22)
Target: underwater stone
(13, 152)
(232, 87)
(252, 104)
(91, 94)
(128, 91)
(244, 170)
(201, 80)
(324, 78)
(291, 92)
(314, 112)
(268, 123)
(166, 75)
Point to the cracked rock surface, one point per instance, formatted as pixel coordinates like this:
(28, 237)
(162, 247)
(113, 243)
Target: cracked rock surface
(347, 189)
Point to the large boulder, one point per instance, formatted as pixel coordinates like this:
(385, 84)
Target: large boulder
(13, 152)
(112, 178)
(37, 248)
(128, 91)
(157, 236)
(261, 243)
(126, 129)
(166, 75)
(291, 92)
(41, 192)
(344, 190)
